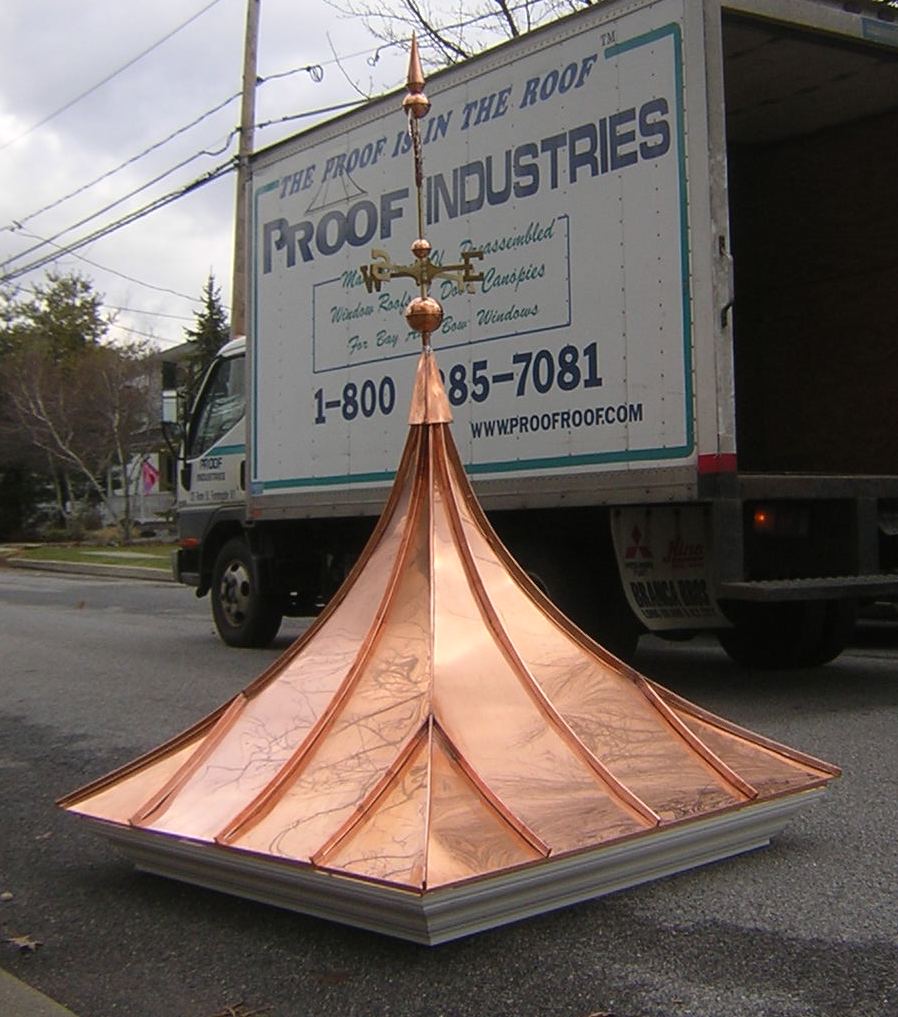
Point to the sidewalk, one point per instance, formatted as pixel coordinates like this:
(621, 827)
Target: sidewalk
(19, 1000)
(89, 569)
(128, 569)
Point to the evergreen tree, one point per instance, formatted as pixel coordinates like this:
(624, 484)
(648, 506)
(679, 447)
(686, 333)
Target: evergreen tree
(209, 333)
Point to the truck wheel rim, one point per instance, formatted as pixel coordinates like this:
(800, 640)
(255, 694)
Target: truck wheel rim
(234, 593)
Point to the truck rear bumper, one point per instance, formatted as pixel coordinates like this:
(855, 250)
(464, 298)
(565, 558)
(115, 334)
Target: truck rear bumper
(801, 537)
(810, 589)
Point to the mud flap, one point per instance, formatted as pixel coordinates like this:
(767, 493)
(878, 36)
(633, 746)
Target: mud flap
(666, 566)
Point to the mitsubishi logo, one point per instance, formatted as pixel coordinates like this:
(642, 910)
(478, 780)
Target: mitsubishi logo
(637, 549)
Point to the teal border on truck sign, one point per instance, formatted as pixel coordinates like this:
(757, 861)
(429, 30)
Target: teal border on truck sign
(273, 186)
(673, 32)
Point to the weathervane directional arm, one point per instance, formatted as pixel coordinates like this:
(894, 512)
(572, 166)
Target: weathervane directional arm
(424, 314)
(382, 270)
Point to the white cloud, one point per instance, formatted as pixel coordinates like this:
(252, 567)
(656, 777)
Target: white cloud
(51, 51)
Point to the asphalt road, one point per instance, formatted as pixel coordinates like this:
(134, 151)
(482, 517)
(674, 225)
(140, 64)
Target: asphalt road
(95, 671)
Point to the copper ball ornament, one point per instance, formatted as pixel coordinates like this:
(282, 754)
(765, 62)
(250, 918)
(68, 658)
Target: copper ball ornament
(424, 314)
(417, 104)
(421, 248)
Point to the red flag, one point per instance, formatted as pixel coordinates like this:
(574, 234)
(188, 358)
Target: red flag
(149, 475)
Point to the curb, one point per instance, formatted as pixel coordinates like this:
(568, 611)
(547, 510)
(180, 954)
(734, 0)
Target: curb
(89, 569)
(19, 999)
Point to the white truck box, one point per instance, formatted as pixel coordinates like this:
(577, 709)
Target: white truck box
(674, 382)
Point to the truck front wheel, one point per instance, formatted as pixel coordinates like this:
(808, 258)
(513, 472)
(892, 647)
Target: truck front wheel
(788, 635)
(243, 615)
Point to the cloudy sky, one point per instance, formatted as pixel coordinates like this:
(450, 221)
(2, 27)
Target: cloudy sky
(87, 87)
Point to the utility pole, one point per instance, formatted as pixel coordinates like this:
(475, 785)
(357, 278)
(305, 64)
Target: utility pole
(247, 123)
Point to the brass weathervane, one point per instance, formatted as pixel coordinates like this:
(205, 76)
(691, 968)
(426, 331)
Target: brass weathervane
(424, 313)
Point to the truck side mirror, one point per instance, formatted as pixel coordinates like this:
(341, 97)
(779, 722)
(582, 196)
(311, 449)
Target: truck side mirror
(170, 406)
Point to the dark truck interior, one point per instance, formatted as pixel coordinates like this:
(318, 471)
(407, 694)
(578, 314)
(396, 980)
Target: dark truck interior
(812, 127)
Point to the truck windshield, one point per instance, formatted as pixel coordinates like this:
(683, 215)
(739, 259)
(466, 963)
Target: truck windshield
(221, 406)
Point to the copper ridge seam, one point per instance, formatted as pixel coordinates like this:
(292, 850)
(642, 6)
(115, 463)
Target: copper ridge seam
(618, 789)
(412, 744)
(695, 743)
(428, 802)
(564, 623)
(265, 800)
(312, 631)
(159, 802)
(691, 739)
(429, 404)
(770, 744)
(489, 796)
(136, 765)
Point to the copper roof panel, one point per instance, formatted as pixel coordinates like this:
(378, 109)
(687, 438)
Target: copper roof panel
(443, 750)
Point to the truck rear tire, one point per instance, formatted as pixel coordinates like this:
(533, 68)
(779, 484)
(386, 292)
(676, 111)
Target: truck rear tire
(788, 635)
(243, 615)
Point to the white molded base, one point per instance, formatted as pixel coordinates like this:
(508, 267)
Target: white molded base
(443, 914)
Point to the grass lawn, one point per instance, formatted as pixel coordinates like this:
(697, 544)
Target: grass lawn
(143, 555)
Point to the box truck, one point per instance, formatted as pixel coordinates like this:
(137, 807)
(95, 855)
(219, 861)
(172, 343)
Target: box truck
(674, 388)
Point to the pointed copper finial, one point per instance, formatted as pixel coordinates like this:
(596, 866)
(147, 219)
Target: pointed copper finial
(416, 104)
(415, 80)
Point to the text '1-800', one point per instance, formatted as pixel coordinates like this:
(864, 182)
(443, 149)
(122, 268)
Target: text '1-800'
(528, 372)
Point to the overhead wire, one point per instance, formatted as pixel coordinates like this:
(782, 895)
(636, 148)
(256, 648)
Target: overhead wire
(146, 335)
(149, 314)
(140, 213)
(123, 275)
(18, 223)
(112, 323)
(124, 197)
(315, 71)
(311, 113)
(131, 278)
(214, 174)
(108, 78)
(125, 310)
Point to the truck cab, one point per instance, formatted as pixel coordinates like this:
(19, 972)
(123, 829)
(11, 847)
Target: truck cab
(212, 484)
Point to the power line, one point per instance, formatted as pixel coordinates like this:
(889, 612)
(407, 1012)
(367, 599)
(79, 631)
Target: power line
(315, 71)
(118, 201)
(312, 113)
(149, 314)
(158, 203)
(108, 78)
(19, 222)
(103, 231)
(127, 310)
(72, 249)
(130, 278)
(146, 335)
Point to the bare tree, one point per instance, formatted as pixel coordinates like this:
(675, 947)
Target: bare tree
(72, 406)
(452, 31)
(89, 415)
(61, 317)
